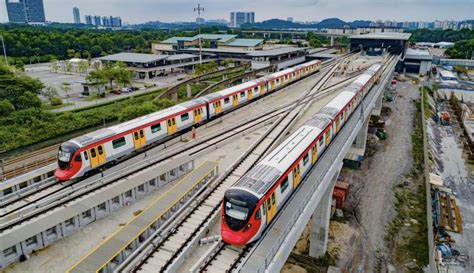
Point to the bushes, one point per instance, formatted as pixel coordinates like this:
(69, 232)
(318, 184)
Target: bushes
(33, 125)
(56, 102)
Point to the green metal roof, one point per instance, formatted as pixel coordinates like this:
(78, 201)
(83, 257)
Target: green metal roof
(223, 38)
(245, 42)
(174, 40)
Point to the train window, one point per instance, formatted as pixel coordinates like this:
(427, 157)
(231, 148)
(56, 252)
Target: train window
(100, 150)
(184, 116)
(226, 100)
(141, 134)
(242, 94)
(93, 155)
(119, 142)
(321, 141)
(86, 157)
(273, 198)
(155, 128)
(78, 157)
(255, 89)
(306, 159)
(264, 209)
(269, 204)
(257, 214)
(135, 135)
(284, 185)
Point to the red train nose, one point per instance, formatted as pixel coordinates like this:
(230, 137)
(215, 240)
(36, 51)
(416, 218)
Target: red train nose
(234, 237)
(62, 175)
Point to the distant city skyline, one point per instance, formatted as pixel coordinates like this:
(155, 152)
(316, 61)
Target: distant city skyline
(141, 11)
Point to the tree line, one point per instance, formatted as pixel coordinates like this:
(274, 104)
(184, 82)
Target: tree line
(438, 35)
(41, 44)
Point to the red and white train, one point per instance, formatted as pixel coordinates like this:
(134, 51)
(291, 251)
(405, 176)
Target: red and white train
(255, 199)
(79, 156)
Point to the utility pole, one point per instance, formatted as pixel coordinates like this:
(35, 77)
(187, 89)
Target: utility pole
(199, 9)
(4, 51)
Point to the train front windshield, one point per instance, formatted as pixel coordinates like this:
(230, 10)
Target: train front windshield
(236, 209)
(65, 154)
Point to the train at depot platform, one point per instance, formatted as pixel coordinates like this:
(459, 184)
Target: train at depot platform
(85, 154)
(250, 205)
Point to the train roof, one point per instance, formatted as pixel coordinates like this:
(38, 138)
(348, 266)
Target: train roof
(263, 176)
(233, 89)
(101, 134)
(283, 72)
(362, 79)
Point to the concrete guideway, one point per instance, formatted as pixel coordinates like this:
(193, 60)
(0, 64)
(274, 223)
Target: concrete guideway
(151, 220)
(57, 223)
(271, 252)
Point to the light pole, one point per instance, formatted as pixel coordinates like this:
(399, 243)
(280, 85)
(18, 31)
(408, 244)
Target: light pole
(4, 50)
(199, 9)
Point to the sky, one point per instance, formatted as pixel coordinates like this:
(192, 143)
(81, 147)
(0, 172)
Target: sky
(139, 11)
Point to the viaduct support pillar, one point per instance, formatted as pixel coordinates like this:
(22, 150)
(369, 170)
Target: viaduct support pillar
(189, 91)
(320, 225)
(332, 40)
(377, 111)
(174, 96)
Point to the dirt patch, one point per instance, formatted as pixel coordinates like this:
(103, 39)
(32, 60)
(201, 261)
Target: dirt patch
(371, 201)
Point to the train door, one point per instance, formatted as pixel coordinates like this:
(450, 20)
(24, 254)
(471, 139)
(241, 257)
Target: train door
(273, 84)
(338, 123)
(139, 139)
(101, 156)
(271, 207)
(328, 136)
(263, 89)
(218, 107)
(315, 153)
(94, 159)
(235, 100)
(250, 94)
(171, 125)
(197, 115)
(296, 176)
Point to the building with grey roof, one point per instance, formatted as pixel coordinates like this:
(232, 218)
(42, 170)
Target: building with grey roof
(147, 66)
(223, 41)
(378, 43)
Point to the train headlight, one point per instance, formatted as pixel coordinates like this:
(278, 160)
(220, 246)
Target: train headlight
(247, 227)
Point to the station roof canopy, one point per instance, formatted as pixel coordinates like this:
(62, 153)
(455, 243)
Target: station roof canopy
(180, 57)
(245, 42)
(418, 54)
(276, 51)
(174, 40)
(133, 57)
(383, 36)
(222, 38)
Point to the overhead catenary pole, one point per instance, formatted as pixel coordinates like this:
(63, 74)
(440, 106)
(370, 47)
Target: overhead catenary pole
(199, 9)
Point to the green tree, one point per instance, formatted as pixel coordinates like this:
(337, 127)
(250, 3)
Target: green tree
(6, 107)
(66, 87)
(50, 92)
(28, 100)
(55, 66)
(82, 67)
(70, 53)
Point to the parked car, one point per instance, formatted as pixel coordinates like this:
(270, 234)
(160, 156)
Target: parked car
(116, 92)
(134, 88)
(125, 90)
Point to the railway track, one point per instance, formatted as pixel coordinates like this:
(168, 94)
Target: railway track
(225, 258)
(37, 194)
(24, 209)
(171, 250)
(28, 162)
(33, 194)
